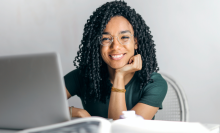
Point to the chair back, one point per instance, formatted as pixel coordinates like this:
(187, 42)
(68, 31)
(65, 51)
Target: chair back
(175, 107)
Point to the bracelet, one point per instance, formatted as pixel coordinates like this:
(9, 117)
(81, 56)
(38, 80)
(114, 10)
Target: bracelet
(118, 90)
(71, 108)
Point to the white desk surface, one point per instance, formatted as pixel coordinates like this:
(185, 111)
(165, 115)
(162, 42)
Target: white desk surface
(214, 128)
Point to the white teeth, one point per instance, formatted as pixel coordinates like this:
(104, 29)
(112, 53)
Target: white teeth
(116, 56)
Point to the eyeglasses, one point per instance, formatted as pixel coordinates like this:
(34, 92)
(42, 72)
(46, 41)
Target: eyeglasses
(123, 38)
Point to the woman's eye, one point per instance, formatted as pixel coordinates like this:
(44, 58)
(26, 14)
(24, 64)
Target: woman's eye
(125, 37)
(105, 39)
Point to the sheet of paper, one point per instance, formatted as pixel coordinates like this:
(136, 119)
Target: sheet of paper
(154, 126)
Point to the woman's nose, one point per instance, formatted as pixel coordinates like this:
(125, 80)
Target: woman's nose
(115, 44)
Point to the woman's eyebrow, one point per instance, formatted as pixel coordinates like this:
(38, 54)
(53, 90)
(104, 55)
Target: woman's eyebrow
(125, 31)
(106, 33)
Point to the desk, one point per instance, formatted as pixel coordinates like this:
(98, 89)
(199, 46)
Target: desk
(156, 126)
(214, 128)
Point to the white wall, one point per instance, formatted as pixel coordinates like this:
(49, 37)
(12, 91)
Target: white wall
(186, 33)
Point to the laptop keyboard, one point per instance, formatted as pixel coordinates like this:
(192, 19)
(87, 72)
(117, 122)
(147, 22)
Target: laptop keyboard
(83, 127)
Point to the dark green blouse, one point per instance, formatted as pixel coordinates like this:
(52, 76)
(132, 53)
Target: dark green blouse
(152, 94)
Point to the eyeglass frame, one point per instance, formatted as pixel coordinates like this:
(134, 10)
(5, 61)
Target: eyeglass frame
(117, 38)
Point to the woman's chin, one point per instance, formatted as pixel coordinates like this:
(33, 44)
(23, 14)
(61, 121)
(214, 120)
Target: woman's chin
(117, 66)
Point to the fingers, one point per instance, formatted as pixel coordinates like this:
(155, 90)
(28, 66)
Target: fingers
(136, 61)
(77, 112)
(131, 60)
(139, 62)
(134, 64)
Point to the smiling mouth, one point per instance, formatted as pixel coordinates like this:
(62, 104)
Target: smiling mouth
(116, 56)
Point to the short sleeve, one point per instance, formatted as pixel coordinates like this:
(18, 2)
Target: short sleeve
(72, 82)
(154, 93)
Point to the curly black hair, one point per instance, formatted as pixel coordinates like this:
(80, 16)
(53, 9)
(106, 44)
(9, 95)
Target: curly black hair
(93, 69)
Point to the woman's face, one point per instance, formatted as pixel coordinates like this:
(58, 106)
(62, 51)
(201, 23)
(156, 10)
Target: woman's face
(117, 55)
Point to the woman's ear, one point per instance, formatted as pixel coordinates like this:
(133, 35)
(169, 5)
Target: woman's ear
(136, 44)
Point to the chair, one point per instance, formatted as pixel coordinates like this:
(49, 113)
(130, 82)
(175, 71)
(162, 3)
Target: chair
(175, 107)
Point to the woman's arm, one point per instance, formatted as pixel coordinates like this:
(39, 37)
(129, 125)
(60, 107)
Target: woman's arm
(144, 110)
(117, 102)
(77, 112)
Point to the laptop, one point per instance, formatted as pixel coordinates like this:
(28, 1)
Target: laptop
(32, 91)
(33, 97)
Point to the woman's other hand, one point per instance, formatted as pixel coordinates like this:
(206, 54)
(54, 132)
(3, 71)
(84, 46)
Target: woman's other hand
(77, 112)
(134, 64)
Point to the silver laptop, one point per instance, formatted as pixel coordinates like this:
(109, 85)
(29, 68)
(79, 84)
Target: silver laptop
(32, 91)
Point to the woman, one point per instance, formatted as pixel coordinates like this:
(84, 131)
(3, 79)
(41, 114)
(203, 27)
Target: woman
(117, 66)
